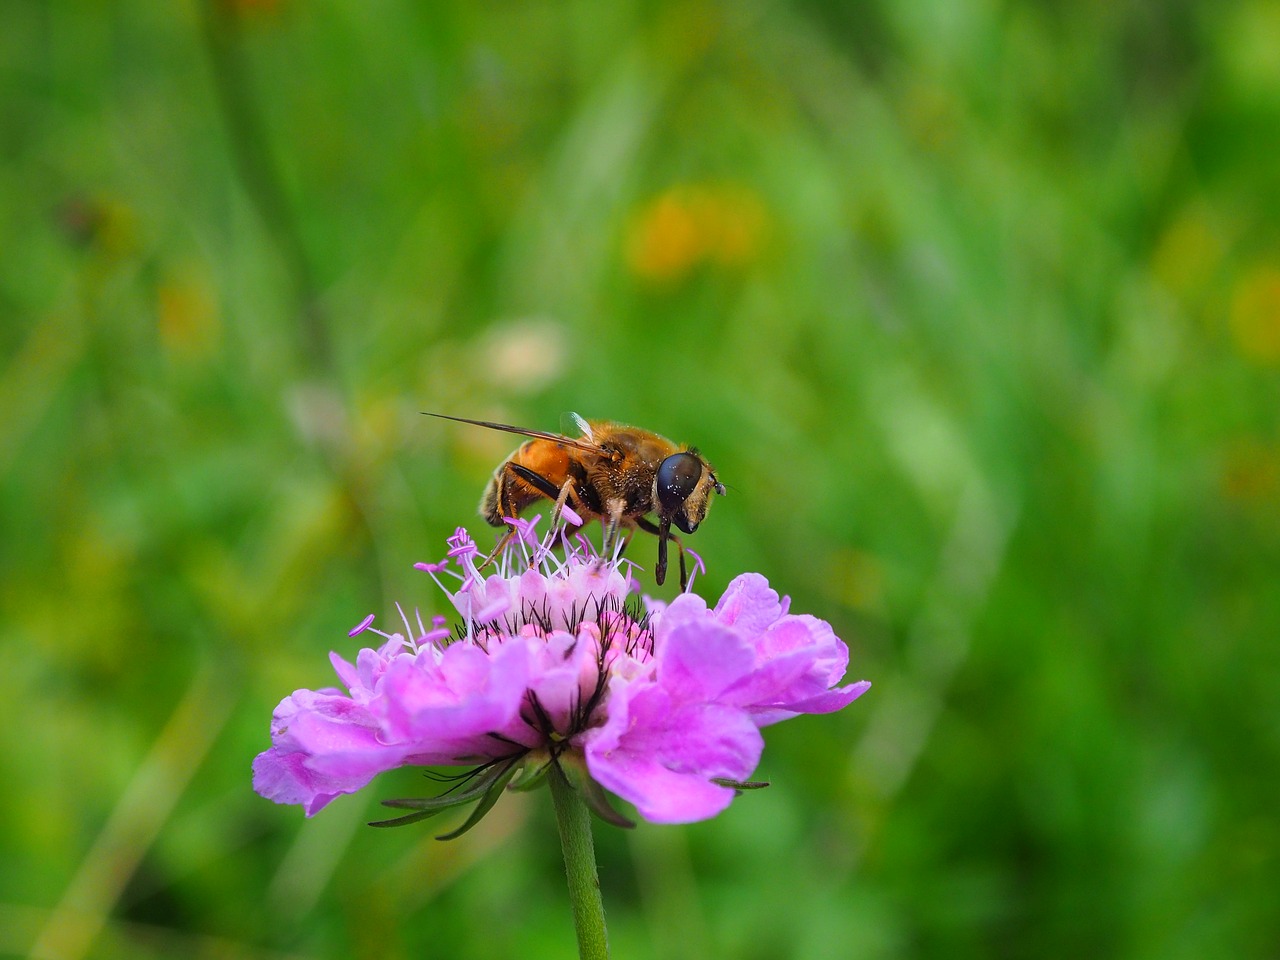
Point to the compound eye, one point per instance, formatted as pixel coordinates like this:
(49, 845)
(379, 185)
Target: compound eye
(677, 477)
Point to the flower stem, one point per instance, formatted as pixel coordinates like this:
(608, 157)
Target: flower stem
(574, 821)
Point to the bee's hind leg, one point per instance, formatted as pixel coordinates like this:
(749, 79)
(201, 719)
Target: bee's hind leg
(567, 494)
(497, 550)
(507, 509)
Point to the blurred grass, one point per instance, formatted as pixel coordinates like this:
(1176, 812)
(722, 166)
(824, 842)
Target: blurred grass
(976, 307)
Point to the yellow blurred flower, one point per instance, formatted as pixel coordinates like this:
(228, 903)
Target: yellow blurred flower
(1255, 314)
(187, 315)
(1188, 254)
(691, 225)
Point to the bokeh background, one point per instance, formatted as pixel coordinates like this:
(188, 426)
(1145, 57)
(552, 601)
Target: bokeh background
(975, 306)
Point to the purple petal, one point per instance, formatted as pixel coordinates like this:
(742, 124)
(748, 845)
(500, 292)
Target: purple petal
(828, 652)
(566, 670)
(660, 794)
(661, 757)
(346, 671)
(325, 744)
(686, 608)
(831, 700)
(774, 681)
(699, 660)
(441, 705)
(283, 776)
(749, 604)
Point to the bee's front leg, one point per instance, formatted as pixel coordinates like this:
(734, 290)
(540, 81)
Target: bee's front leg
(663, 533)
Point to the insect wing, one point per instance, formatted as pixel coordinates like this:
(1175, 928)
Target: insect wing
(522, 431)
(583, 427)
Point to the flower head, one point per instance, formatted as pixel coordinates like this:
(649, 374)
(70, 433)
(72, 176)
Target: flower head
(556, 660)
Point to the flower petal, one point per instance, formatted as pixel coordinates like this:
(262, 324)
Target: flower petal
(749, 604)
(828, 702)
(661, 756)
(283, 776)
(447, 705)
(686, 608)
(699, 660)
(325, 744)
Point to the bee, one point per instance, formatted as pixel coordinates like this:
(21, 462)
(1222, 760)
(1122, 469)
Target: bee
(613, 473)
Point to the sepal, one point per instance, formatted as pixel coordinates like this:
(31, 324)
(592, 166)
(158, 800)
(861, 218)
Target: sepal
(491, 780)
(740, 785)
(486, 803)
(532, 773)
(592, 794)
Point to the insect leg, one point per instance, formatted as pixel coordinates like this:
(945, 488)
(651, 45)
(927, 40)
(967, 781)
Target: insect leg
(506, 501)
(612, 525)
(543, 485)
(501, 545)
(566, 494)
(663, 533)
(506, 508)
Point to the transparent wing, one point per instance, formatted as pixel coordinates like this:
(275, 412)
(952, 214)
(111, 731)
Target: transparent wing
(583, 427)
(584, 444)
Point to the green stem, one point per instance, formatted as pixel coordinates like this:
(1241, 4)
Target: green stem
(574, 821)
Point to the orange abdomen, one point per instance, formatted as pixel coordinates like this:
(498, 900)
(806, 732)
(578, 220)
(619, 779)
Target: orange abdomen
(508, 494)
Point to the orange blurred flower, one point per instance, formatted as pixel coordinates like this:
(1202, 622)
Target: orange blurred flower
(1250, 471)
(691, 225)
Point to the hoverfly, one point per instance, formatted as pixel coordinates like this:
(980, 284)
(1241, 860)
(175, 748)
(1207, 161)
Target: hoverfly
(614, 473)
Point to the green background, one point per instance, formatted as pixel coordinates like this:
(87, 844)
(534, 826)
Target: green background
(975, 306)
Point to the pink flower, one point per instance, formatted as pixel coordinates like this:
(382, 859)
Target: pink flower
(556, 661)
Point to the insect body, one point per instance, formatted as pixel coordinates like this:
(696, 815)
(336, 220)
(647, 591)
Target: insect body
(614, 473)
